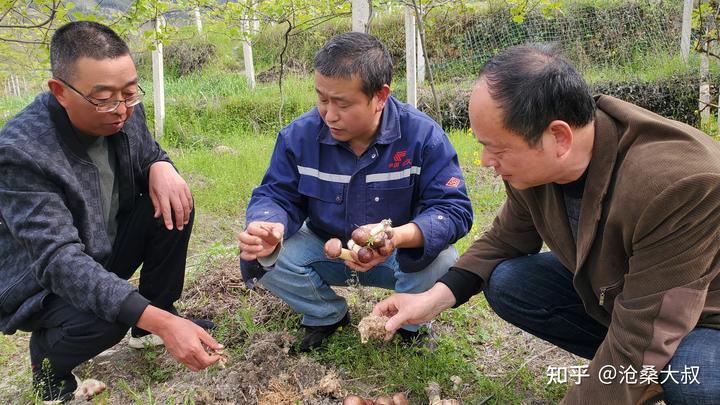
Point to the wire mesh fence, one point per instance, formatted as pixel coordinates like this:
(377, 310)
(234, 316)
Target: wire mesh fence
(612, 35)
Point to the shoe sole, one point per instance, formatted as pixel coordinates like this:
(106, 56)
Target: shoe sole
(145, 341)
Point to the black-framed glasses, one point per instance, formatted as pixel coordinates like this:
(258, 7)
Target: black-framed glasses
(109, 105)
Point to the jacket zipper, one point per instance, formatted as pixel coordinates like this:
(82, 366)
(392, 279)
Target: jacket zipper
(604, 290)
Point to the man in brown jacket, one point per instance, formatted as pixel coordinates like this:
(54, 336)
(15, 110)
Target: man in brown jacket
(628, 204)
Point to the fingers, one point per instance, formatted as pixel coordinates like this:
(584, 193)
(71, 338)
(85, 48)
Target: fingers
(187, 204)
(197, 358)
(170, 195)
(270, 233)
(179, 211)
(259, 238)
(156, 204)
(396, 321)
(166, 210)
(208, 340)
(393, 308)
(385, 307)
(201, 359)
(356, 266)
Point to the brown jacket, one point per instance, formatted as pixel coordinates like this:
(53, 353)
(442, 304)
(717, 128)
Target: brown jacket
(646, 259)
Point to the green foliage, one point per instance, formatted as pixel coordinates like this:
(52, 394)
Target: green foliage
(705, 21)
(394, 367)
(673, 97)
(204, 111)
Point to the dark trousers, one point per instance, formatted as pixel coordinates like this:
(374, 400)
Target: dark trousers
(535, 293)
(63, 336)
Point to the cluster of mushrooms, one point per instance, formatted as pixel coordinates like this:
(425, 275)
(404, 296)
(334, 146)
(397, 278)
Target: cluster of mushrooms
(366, 242)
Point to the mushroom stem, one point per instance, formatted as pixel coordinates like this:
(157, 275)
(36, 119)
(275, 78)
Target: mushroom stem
(345, 255)
(353, 246)
(377, 228)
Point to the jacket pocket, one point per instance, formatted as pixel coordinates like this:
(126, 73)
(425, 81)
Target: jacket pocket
(321, 192)
(390, 203)
(607, 294)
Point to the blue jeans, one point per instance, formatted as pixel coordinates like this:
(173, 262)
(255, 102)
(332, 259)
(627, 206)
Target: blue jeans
(302, 277)
(535, 293)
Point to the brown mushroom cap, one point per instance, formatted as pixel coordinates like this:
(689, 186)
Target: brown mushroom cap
(365, 255)
(353, 400)
(387, 248)
(361, 235)
(333, 248)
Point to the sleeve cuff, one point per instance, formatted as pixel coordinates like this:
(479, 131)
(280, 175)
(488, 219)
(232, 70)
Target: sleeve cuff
(434, 229)
(132, 308)
(269, 260)
(462, 283)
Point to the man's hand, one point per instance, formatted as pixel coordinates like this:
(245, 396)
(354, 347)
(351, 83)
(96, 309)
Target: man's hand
(170, 193)
(405, 236)
(357, 265)
(412, 309)
(184, 340)
(260, 239)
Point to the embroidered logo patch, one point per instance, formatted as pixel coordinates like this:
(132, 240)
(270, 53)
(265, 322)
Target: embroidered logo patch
(398, 156)
(453, 182)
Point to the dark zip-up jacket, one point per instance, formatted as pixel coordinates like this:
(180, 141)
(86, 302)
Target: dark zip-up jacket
(53, 236)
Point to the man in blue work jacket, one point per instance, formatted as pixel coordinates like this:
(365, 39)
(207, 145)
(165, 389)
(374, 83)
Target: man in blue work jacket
(359, 157)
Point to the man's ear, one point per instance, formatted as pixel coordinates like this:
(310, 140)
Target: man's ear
(382, 96)
(562, 133)
(58, 90)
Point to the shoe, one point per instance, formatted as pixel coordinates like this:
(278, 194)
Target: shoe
(50, 390)
(315, 335)
(141, 342)
(85, 390)
(413, 338)
(140, 338)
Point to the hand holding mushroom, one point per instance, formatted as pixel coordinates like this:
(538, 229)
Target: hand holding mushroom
(370, 245)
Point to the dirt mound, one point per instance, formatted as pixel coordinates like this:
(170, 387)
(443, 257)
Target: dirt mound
(259, 368)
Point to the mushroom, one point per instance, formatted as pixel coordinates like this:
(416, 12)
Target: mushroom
(334, 250)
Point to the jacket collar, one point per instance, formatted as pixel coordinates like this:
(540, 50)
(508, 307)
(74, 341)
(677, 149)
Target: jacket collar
(65, 130)
(67, 134)
(387, 133)
(600, 175)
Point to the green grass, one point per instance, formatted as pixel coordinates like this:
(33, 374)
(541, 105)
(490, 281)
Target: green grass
(643, 67)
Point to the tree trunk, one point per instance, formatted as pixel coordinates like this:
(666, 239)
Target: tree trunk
(410, 56)
(158, 83)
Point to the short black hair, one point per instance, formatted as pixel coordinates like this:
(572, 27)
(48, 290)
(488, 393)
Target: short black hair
(351, 53)
(534, 85)
(80, 39)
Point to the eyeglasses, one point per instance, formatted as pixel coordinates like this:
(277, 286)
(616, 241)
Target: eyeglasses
(110, 105)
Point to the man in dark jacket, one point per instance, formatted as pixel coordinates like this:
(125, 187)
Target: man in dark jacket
(86, 196)
(360, 157)
(628, 203)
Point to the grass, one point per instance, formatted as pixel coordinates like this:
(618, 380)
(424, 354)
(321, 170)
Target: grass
(649, 67)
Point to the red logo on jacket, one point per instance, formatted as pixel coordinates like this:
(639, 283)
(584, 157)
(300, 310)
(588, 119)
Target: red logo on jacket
(398, 160)
(453, 182)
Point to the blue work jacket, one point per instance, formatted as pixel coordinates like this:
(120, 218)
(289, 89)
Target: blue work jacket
(409, 173)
